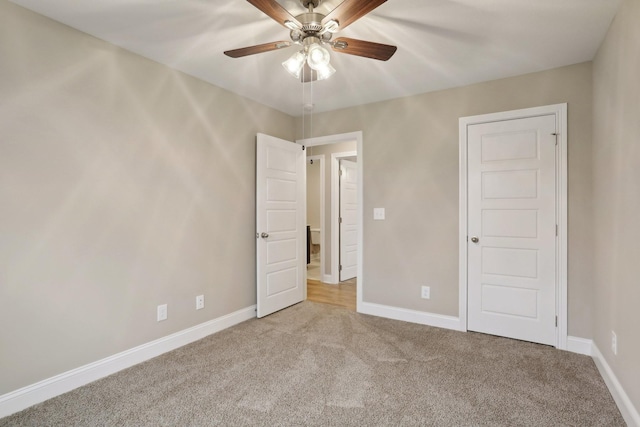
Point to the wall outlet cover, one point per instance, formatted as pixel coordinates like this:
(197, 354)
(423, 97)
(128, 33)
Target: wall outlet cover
(378, 214)
(162, 312)
(425, 292)
(199, 302)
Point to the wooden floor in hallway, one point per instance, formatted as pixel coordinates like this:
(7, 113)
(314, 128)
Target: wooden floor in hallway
(342, 294)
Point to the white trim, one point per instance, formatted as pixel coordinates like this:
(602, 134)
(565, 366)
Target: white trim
(335, 212)
(628, 411)
(462, 233)
(343, 137)
(560, 111)
(413, 316)
(22, 398)
(580, 345)
(562, 272)
(323, 249)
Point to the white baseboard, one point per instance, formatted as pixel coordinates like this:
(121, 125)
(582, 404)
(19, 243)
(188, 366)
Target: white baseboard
(579, 345)
(413, 316)
(30, 395)
(628, 411)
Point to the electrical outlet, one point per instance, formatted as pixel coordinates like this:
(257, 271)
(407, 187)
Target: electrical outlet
(614, 343)
(162, 312)
(199, 302)
(426, 292)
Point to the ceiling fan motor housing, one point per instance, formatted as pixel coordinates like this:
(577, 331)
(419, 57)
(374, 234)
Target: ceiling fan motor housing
(311, 22)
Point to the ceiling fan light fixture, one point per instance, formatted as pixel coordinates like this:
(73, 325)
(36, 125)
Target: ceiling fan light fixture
(291, 25)
(331, 27)
(294, 64)
(317, 57)
(325, 72)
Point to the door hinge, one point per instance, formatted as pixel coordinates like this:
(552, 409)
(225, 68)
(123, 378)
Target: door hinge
(303, 148)
(340, 220)
(556, 321)
(556, 135)
(340, 269)
(257, 236)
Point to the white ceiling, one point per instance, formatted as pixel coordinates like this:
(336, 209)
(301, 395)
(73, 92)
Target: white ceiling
(441, 43)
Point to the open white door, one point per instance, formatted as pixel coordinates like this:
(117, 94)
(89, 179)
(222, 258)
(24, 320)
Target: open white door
(280, 224)
(348, 220)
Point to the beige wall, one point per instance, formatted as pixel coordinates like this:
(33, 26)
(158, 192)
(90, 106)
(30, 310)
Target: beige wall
(410, 158)
(123, 185)
(327, 150)
(616, 182)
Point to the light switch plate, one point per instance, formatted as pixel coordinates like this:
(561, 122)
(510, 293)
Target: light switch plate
(378, 214)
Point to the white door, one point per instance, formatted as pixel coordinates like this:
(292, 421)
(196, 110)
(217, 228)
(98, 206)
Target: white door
(512, 228)
(280, 224)
(348, 220)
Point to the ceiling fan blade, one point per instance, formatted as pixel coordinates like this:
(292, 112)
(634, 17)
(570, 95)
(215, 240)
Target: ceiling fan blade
(276, 12)
(351, 10)
(363, 48)
(252, 50)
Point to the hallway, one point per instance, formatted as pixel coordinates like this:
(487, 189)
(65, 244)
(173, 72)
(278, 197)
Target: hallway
(342, 294)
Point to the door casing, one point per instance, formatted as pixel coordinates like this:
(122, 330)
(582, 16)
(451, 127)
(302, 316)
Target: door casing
(560, 113)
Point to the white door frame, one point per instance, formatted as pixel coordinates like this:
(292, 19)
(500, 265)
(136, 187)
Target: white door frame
(560, 112)
(320, 158)
(332, 139)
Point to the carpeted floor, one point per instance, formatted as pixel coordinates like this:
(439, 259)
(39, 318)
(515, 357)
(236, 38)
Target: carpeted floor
(316, 364)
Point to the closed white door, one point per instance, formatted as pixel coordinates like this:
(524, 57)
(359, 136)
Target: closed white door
(348, 220)
(512, 228)
(280, 224)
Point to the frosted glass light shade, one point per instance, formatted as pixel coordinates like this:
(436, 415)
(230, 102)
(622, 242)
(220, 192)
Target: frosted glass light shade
(317, 57)
(294, 64)
(325, 72)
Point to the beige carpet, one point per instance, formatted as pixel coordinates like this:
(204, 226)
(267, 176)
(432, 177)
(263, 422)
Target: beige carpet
(316, 364)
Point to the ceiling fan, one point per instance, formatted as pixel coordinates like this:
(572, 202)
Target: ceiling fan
(313, 31)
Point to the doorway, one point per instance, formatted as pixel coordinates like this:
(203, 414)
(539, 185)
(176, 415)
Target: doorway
(315, 184)
(328, 287)
(513, 224)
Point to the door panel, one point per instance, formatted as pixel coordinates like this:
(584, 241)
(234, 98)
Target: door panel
(510, 223)
(280, 224)
(512, 212)
(349, 220)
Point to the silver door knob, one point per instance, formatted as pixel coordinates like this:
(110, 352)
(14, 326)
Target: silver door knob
(474, 239)
(264, 235)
